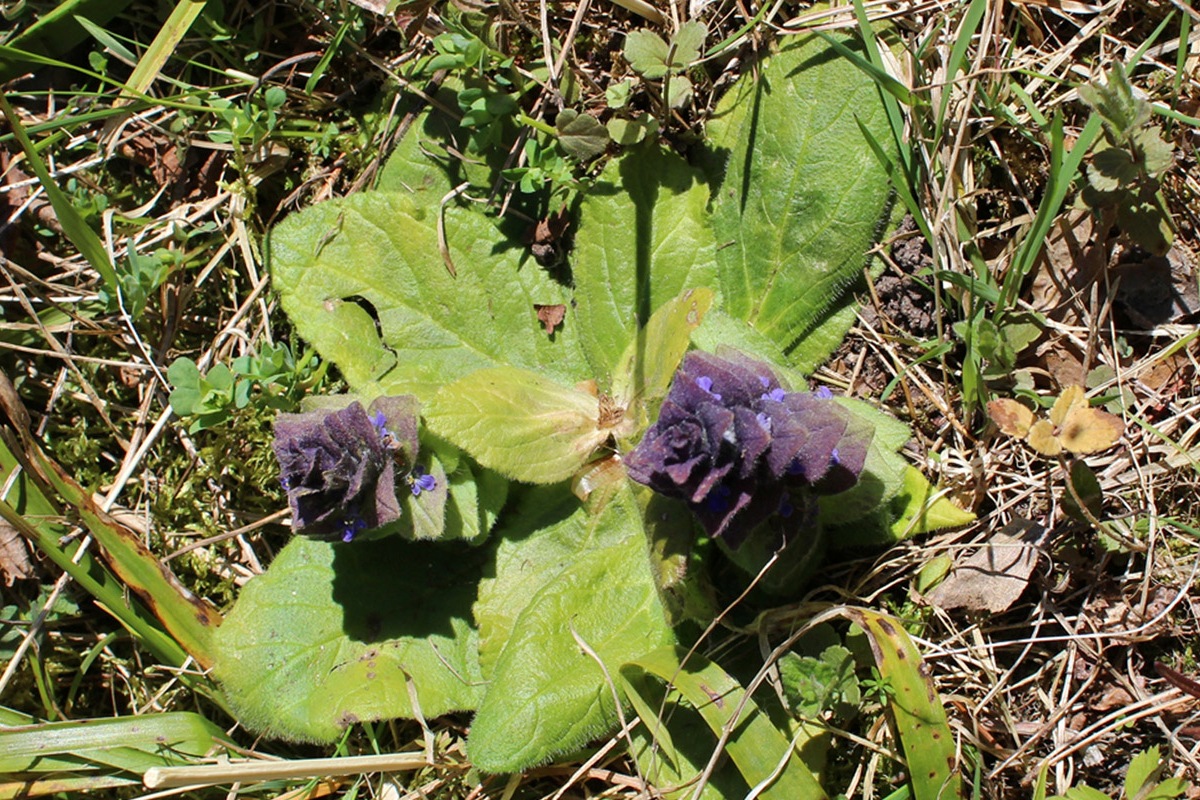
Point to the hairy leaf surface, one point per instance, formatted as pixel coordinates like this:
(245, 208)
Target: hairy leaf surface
(519, 423)
(363, 279)
(803, 196)
(643, 238)
(331, 633)
(576, 577)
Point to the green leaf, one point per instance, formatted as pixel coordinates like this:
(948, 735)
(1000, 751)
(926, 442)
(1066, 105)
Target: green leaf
(918, 713)
(1112, 168)
(689, 41)
(646, 52)
(1157, 154)
(1142, 769)
(1148, 223)
(363, 280)
(648, 365)
(134, 743)
(1122, 111)
(756, 746)
(519, 423)
(476, 494)
(1085, 793)
(883, 473)
(803, 196)
(184, 376)
(581, 135)
(628, 132)
(331, 634)
(817, 686)
(678, 91)
(574, 580)
(917, 508)
(1084, 485)
(643, 238)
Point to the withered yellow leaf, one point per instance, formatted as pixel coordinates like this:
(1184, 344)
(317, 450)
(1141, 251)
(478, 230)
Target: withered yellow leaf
(1072, 425)
(1043, 439)
(1070, 399)
(1011, 417)
(1090, 430)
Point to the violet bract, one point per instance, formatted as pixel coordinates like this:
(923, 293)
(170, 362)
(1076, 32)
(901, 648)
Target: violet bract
(740, 449)
(340, 467)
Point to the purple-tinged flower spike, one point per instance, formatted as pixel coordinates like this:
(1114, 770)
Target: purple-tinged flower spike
(339, 466)
(735, 445)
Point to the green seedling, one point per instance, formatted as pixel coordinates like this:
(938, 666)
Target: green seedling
(655, 59)
(1124, 177)
(1141, 782)
(272, 377)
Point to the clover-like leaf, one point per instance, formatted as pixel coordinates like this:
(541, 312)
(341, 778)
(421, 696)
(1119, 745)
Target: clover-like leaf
(581, 135)
(1072, 424)
(646, 52)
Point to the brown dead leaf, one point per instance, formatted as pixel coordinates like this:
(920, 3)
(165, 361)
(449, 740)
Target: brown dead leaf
(550, 316)
(14, 555)
(1113, 697)
(1073, 425)
(1157, 290)
(1070, 262)
(994, 577)
(544, 236)
(156, 153)
(1012, 418)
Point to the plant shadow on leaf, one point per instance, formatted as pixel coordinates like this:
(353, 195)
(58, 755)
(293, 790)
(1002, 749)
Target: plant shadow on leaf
(378, 604)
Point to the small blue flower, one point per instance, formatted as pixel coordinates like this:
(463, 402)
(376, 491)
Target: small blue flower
(421, 481)
(776, 395)
(352, 527)
(823, 392)
(706, 383)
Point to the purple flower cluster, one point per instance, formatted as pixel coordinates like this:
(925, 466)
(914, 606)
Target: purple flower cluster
(341, 467)
(739, 449)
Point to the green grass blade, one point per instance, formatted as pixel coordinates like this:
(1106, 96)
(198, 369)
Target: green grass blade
(28, 510)
(1063, 169)
(76, 229)
(134, 744)
(958, 53)
(165, 42)
(917, 711)
(747, 734)
(21, 787)
(107, 39)
(56, 32)
(188, 618)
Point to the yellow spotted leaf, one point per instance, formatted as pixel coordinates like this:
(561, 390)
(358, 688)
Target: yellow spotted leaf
(1042, 438)
(1090, 430)
(1011, 417)
(1072, 426)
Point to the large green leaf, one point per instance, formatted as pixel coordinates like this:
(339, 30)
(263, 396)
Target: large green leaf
(331, 634)
(803, 196)
(363, 279)
(519, 423)
(643, 238)
(762, 752)
(564, 578)
(648, 364)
